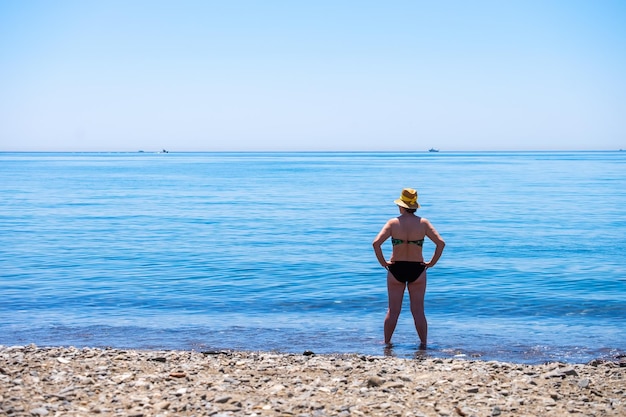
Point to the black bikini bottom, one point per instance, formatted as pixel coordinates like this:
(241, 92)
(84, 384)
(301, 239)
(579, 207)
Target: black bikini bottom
(405, 271)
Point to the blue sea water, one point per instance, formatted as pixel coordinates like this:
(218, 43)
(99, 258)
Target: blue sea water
(272, 251)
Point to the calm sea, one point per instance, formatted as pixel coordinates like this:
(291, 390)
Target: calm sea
(272, 251)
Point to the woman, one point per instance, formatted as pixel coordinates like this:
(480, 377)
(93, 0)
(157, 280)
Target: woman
(406, 268)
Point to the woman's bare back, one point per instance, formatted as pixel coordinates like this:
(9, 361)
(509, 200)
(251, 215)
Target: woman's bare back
(407, 233)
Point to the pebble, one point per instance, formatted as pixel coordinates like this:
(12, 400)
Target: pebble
(374, 381)
(66, 381)
(41, 411)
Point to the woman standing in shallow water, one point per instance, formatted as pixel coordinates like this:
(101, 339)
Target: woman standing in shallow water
(406, 268)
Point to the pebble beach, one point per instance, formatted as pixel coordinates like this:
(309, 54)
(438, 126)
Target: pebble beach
(67, 381)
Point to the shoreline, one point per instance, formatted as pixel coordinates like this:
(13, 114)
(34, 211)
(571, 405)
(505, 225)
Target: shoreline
(68, 381)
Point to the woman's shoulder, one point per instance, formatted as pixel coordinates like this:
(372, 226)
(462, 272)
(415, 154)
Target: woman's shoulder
(424, 221)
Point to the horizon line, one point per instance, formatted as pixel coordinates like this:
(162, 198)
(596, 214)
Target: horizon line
(164, 151)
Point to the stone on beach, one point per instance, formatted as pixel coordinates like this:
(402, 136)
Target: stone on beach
(67, 381)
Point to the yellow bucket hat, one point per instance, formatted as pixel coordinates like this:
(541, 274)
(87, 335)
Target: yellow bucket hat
(408, 199)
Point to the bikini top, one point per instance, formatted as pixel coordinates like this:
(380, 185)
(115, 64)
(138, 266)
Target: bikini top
(396, 242)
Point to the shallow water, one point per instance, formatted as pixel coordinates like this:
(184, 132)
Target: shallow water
(272, 251)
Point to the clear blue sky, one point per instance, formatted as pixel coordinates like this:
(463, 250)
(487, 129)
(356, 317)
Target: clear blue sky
(312, 75)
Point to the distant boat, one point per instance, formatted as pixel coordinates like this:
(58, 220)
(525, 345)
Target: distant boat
(433, 150)
(164, 151)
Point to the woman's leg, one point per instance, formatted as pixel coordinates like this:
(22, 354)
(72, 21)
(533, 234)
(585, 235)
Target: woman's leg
(395, 292)
(417, 290)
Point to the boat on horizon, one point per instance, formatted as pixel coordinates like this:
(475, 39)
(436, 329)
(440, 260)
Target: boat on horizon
(433, 150)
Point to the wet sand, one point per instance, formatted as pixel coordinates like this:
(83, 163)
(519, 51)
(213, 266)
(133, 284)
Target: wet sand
(112, 382)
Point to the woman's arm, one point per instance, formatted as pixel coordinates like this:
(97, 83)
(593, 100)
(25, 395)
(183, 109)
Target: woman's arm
(437, 240)
(383, 235)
